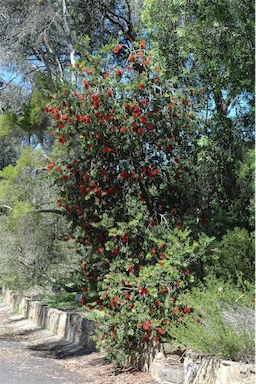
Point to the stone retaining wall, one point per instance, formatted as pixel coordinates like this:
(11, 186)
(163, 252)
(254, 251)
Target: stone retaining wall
(167, 364)
(69, 325)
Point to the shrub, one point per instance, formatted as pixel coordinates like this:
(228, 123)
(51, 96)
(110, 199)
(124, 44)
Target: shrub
(236, 256)
(122, 130)
(140, 295)
(222, 324)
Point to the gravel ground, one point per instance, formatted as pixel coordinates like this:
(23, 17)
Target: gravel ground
(30, 350)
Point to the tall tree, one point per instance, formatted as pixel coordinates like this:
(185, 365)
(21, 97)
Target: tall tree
(209, 45)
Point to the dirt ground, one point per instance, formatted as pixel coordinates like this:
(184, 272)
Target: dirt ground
(21, 339)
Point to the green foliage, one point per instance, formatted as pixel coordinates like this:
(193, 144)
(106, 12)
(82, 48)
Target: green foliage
(210, 45)
(31, 242)
(213, 40)
(236, 256)
(223, 321)
(61, 300)
(140, 296)
(7, 123)
(17, 181)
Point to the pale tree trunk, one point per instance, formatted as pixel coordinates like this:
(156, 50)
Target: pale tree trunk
(68, 37)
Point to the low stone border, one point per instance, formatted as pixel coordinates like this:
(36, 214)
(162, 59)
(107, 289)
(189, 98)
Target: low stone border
(167, 364)
(68, 325)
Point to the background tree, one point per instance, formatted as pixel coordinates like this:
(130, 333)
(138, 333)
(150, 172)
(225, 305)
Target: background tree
(32, 248)
(210, 45)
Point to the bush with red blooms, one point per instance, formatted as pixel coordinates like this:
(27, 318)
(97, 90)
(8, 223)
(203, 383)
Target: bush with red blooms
(120, 128)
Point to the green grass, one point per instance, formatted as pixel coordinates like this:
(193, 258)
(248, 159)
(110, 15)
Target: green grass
(60, 300)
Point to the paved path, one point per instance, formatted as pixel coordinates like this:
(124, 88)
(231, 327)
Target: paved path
(19, 368)
(31, 355)
(20, 365)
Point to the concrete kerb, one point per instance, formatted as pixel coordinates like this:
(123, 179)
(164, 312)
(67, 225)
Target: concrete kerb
(67, 325)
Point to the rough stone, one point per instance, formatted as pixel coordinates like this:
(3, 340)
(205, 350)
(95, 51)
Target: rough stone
(172, 375)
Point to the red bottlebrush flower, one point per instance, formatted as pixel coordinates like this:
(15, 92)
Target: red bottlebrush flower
(155, 339)
(83, 301)
(106, 150)
(178, 226)
(143, 119)
(106, 75)
(140, 86)
(176, 284)
(119, 73)
(152, 223)
(117, 48)
(140, 54)
(163, 256)
(144, 102)
(142, 44)
(51, 165)
(123, 129)
(187, 310)
(124, 238)
(161, 331)
(149, 127)
(85, 176)
(124, 175)
(147, 325)
(157, 303)
(62, 139)
(132, 57)
(84, 289)
(110, 92)
(155, 80)
(186, 271)
(170, 105)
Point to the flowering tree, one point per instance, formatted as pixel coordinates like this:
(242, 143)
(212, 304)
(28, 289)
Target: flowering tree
(121, 129)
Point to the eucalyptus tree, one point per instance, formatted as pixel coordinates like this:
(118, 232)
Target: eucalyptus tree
(209, 46)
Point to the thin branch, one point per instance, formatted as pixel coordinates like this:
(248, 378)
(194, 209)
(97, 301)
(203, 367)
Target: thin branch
(5, 206)
(57, 211)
